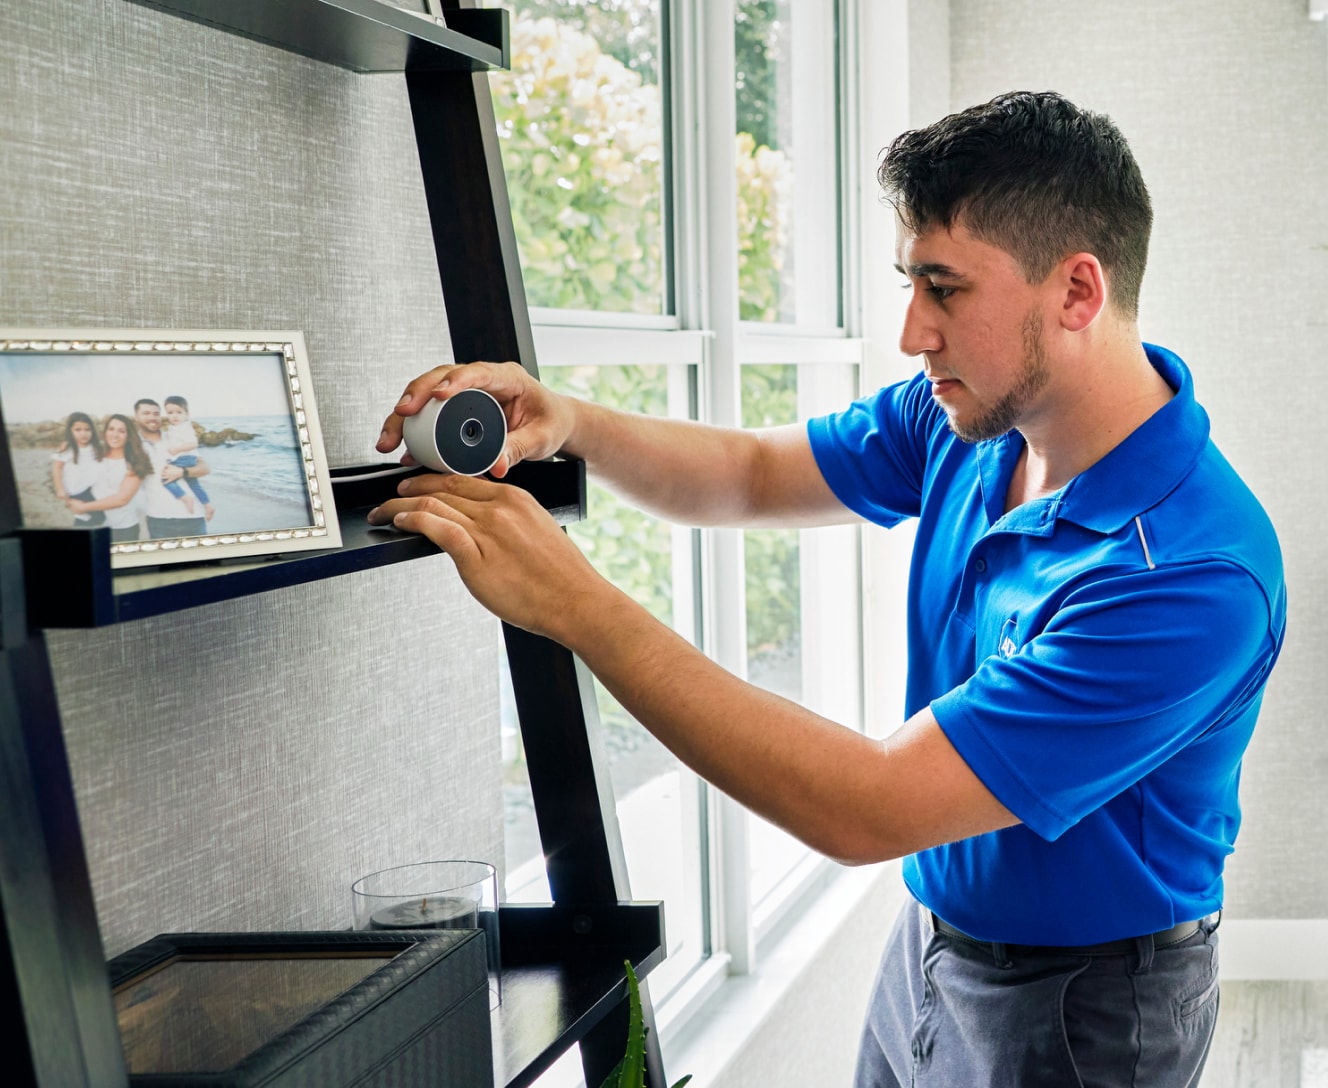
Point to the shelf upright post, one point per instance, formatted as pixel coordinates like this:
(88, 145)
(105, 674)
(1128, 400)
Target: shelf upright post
(488, 319)
(578, 821)
(52, 964)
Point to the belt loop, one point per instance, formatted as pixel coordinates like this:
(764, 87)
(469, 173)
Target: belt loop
(1000, 955)
(1144, 947)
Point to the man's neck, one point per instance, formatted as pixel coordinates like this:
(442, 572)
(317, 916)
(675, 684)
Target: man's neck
(1103, 398)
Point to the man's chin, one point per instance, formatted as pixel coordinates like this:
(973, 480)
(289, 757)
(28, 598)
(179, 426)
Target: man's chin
(963, 429)
(981, 430)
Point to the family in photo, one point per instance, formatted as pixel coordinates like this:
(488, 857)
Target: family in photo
(140, 474)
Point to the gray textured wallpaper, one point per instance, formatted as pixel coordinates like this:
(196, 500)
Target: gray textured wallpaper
(1226, 107)
(238, 765)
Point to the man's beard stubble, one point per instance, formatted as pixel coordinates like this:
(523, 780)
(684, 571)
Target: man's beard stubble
(1002, 416)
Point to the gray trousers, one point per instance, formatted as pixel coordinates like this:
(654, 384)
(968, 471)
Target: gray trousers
(949, 1014)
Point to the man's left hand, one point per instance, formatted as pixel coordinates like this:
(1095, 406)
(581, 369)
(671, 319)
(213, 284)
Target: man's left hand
(509, 551)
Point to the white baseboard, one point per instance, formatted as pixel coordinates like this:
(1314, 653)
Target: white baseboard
(1273, 948)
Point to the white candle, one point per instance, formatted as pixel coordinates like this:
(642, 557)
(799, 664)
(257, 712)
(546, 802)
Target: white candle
(427, 912)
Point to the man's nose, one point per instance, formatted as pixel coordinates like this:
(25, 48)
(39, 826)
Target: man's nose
(919, 334)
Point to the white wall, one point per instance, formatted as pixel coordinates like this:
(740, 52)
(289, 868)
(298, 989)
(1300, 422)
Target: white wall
(1226, 106)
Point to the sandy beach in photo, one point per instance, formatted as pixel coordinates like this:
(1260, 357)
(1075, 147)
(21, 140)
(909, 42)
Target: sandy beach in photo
(238, 508)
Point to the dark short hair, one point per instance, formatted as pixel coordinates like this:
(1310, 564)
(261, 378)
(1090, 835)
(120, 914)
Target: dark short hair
(177, 400)
(1036, 176)
(145, 400)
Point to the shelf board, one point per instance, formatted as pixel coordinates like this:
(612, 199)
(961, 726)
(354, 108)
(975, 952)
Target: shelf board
(562, 974)
(362, 35)
(90, 594)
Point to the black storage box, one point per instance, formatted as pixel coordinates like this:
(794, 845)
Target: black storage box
(323, 1010)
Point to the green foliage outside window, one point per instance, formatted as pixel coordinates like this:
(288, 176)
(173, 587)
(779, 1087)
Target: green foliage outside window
(581, 134)
(770, 398)
(634, 550)
(758, 33)
(765, 196)
(582, 139)
(630, 548)
(765, 166)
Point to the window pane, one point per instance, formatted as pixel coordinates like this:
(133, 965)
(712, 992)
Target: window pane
(763, 86)
(802, 601)
(788, 191)
(658, 802)
(774, 655)
(580, 124)
(774, 608)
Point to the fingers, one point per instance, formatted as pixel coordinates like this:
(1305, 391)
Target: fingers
(487, 510)
(434, 483)
(509, 551)
(452, 533)
(412, 400)
(514, 452)
(437, 517)
(437, 496)
(502, 380)
(430, 505)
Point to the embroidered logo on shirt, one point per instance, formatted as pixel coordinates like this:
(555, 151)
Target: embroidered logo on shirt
(1009, 638)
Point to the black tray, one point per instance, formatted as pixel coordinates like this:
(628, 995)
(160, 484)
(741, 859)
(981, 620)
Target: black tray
(331, 1010)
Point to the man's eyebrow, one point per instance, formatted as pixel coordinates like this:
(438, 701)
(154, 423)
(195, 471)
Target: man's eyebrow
(930, 271)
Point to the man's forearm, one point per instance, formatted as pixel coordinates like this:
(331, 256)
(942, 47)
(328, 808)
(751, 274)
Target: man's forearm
(767, 753)
(676, 469)
(853, 798)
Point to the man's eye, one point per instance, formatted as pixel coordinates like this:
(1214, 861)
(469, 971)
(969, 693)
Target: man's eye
(939, 293)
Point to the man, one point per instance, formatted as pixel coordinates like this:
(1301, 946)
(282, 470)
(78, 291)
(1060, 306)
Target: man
(168, 516)
(1095, 604)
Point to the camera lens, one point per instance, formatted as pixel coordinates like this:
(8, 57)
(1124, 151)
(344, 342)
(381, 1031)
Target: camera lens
(472, 432)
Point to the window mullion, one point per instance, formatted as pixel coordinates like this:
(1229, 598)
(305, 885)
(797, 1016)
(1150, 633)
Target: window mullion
(715, 123)
(815, 176)
(848, 83)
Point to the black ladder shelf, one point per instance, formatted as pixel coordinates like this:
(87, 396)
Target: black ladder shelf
(563, 979)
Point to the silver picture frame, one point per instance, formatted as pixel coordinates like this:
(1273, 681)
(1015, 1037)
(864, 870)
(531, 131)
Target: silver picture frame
(83, 400)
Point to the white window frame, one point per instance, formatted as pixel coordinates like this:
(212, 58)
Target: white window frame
(704, 345)
(704, 36)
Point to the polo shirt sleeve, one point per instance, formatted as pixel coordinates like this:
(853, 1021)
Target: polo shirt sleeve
(874, 453)
(1135, 666)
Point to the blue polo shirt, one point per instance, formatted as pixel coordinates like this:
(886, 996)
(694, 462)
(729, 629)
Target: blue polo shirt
(1097, 657)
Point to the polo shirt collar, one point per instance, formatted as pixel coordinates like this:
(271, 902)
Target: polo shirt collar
(1132, 478)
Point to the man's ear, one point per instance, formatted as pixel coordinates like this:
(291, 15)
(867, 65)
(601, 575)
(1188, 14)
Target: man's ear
(1084, 284)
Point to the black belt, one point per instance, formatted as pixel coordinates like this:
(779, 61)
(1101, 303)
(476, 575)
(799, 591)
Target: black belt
(1162, 939)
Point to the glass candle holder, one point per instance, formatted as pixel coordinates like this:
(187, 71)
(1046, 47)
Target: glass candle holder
(434, 895)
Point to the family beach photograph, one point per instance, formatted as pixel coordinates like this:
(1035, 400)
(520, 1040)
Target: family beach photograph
(155, 446)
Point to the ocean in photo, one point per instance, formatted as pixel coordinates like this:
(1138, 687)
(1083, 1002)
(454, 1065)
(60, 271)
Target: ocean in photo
(257, 483)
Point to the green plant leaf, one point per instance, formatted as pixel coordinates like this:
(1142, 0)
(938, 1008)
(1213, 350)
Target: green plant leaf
(614, 1078)
(631, 1071)
(634, 1061)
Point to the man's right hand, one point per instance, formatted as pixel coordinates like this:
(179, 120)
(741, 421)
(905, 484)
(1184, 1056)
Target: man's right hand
(539, 422)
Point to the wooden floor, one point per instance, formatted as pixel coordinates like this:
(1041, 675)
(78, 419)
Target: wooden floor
(1270, 1035)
